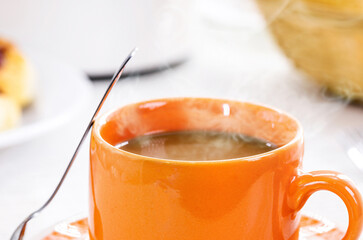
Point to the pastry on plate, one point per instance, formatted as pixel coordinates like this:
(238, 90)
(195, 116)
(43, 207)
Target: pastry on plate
(10, 113)
(16, 74)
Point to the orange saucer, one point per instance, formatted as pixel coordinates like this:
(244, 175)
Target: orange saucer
(312, 228)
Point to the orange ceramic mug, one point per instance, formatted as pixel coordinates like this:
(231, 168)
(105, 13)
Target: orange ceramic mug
(134, 197)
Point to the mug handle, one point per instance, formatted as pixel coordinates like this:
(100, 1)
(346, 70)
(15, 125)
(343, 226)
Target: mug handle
(305, 184)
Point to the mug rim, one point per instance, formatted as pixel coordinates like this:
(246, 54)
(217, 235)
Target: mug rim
(101, 121)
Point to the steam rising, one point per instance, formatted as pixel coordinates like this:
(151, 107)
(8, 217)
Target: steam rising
(240, 65)
(196, 145)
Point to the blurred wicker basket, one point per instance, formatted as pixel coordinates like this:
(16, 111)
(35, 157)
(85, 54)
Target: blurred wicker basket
(324, 38)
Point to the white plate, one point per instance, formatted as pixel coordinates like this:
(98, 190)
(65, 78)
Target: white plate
(61, 92)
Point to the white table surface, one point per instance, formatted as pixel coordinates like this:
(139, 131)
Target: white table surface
(29, 172)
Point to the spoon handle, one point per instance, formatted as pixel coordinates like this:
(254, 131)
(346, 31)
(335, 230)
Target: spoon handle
(20, 230)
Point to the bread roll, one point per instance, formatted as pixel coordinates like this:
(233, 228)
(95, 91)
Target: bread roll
(10, 113)
(16, 75)
(324, 38)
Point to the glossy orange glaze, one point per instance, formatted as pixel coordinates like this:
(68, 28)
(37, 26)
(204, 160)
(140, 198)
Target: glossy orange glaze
(141, 198)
